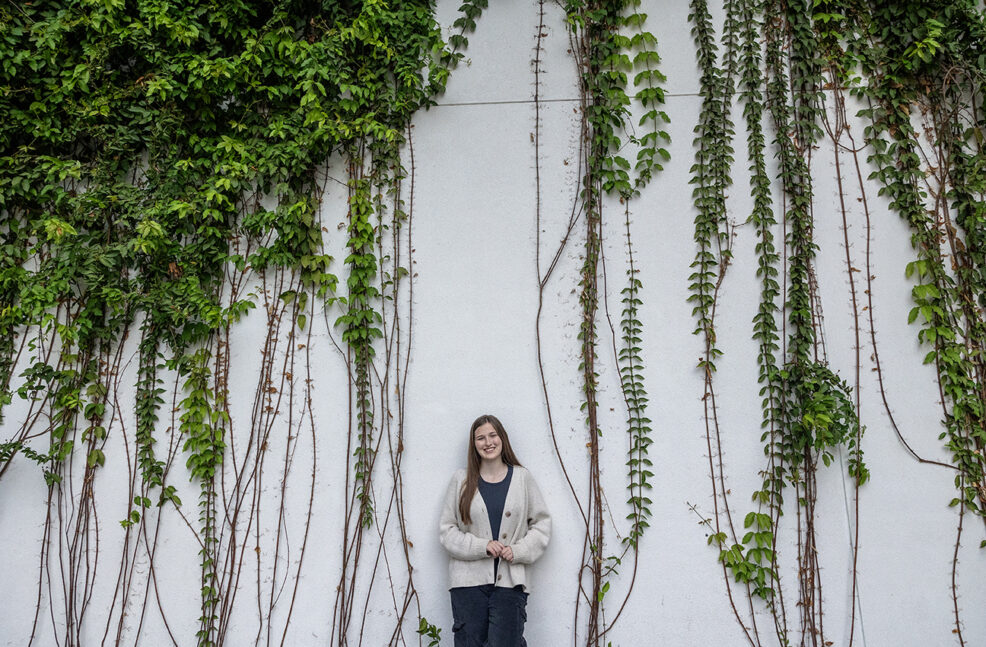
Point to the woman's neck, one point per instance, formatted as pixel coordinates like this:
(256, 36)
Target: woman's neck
(493, 471)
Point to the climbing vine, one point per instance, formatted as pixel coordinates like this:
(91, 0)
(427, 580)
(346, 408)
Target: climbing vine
(895, 60)
(924, 66)
(170, 169)
(807, 410)
(935, 67)
(163, 173)
(609, 44)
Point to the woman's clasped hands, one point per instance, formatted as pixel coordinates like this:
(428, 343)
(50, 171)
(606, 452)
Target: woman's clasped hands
(496, 549)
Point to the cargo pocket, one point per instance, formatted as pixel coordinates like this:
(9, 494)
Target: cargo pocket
(520, 601)
(459, 635)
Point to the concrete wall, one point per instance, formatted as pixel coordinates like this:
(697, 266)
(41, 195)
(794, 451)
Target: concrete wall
(468, 340)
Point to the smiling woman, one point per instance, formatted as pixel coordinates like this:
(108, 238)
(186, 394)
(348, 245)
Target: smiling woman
(491, 538)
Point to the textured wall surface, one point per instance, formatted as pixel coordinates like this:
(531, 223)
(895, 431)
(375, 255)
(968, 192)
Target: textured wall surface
(477, 247)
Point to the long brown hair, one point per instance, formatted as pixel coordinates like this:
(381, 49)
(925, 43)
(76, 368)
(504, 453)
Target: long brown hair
(471, 483)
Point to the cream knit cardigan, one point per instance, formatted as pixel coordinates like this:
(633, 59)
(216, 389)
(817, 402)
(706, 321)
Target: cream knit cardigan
(525, 527)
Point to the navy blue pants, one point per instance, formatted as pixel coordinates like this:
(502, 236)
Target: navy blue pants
(489, 616)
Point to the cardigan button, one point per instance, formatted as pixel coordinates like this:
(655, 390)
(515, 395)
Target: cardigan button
(508, 513)
(499, 577)
(503, 536)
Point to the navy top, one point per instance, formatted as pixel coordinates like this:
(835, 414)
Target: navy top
(495, 496)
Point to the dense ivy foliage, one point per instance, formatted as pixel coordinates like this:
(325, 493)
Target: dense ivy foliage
(926, 59)
(923, 64)
(142, 140)
(150, 148)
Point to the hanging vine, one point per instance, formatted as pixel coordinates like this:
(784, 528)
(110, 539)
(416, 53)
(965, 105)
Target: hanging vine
(896, 58)
(606, 57)
(807, 410)
(923, 66)
(928, 60)
(157, 161)
(164, 171)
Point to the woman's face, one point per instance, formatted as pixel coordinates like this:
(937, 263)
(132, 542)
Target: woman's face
(488, 444)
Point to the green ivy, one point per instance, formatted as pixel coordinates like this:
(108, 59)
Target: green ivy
(807, 410)
(610, 44)
(151, 147)
(928, 56)
(202, 423)
(759, 539)
(710, 177)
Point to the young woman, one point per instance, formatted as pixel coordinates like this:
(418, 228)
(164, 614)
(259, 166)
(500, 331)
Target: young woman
(494, 523)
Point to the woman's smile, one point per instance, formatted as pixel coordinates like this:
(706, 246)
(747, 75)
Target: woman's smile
(488, 443)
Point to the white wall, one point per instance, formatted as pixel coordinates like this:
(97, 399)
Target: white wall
(472, 350)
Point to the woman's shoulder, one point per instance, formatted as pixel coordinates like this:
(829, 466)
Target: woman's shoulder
(455, 483)
(522, 472)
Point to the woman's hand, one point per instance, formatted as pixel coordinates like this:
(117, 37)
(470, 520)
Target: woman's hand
(507, 553)
(495, 549)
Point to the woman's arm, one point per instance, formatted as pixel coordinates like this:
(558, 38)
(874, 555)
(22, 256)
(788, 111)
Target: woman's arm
(459, 544)
(531, 546)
